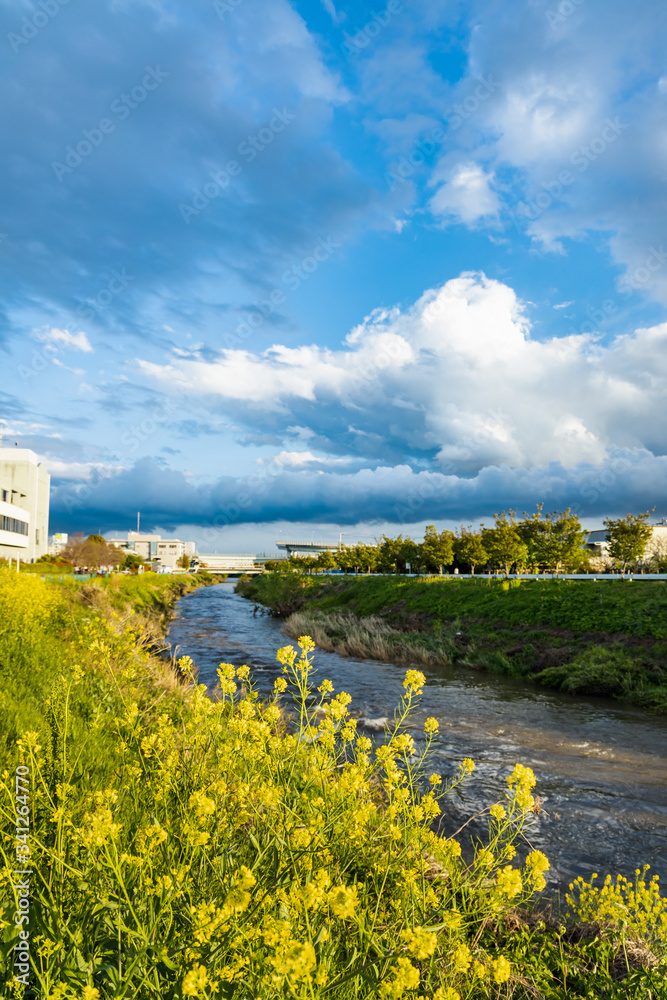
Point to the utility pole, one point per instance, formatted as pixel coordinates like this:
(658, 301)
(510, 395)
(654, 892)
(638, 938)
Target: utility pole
(138, 520)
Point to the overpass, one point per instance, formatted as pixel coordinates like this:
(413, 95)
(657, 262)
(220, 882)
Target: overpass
(315, 547)
(214, 562)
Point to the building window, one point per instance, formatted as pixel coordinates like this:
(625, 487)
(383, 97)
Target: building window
(36, 536)
(13, 524)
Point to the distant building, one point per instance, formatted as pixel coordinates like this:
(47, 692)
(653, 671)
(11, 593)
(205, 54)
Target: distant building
(598, 545)
(162, 553)
(58, 542)
(24, 505)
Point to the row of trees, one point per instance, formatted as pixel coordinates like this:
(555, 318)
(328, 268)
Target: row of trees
(539, 542)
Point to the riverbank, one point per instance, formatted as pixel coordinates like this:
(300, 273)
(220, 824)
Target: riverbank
(579, 637)
(184, 845)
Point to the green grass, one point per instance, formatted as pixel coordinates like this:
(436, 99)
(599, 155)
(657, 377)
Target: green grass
(605, 638)
(610, 606)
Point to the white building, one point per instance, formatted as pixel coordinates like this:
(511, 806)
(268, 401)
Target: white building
(163, 553)
(24, 505)
(58, 542)
(598, 544)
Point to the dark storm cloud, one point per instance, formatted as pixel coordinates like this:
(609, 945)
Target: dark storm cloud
(627, 480)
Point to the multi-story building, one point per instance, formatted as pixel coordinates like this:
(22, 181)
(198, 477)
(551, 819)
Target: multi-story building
(163, 553)
(24, 505)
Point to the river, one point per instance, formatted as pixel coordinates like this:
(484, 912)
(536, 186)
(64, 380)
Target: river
(601, 767)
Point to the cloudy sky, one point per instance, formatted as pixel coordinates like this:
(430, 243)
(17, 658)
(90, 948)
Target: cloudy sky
(312, 267)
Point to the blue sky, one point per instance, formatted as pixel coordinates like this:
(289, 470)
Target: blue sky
(274, 267)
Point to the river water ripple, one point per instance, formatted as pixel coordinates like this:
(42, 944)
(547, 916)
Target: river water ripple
(601, 768)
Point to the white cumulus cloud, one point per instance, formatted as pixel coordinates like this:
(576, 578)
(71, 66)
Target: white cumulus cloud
(456, 381)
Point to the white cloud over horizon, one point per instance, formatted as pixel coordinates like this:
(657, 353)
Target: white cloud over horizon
(456, 378)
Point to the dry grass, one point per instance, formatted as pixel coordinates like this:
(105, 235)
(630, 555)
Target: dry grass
(367, 638)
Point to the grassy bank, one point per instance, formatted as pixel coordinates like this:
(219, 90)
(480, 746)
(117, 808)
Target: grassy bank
(605, 638)
(187, 846)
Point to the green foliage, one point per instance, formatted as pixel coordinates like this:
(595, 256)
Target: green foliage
(469, 549)
(552, 540)
(628, 537)
(503, 543)
(132, 561)
(437, 549)
(598, 670)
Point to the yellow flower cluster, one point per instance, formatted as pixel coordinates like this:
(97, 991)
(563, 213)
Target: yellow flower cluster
(536, 865)
(343, 901)
(405, 977)
(414, 681)
(635, 907)
(521, 783)
(419, 942)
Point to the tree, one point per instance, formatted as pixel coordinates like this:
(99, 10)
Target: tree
(92, 552)
(411, 555)
(326, 560)
(132, 561)
(275, 565)
(367, 556)
(552, 540)
(183, 561)
(437, 549)
(345, 558)
(503, 543)
(390, 558)
(469, 548)
(628, 537)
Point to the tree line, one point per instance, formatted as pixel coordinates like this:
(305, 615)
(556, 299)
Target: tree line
(94, 552)
(540, 542)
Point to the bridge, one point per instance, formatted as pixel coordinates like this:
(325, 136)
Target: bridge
(214, 562)
(291, 547)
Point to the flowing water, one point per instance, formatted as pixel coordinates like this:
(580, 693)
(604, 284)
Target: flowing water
(601, 768)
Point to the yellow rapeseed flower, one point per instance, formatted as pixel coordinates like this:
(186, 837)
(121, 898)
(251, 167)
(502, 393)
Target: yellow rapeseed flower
(201, 805)
(406, 977)
(419, 942)
(195, 981)
(501, 969)
(414, 681)
(461, 958)
(343, 901)
(508, 882)
(297, 960)
(90, 993)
